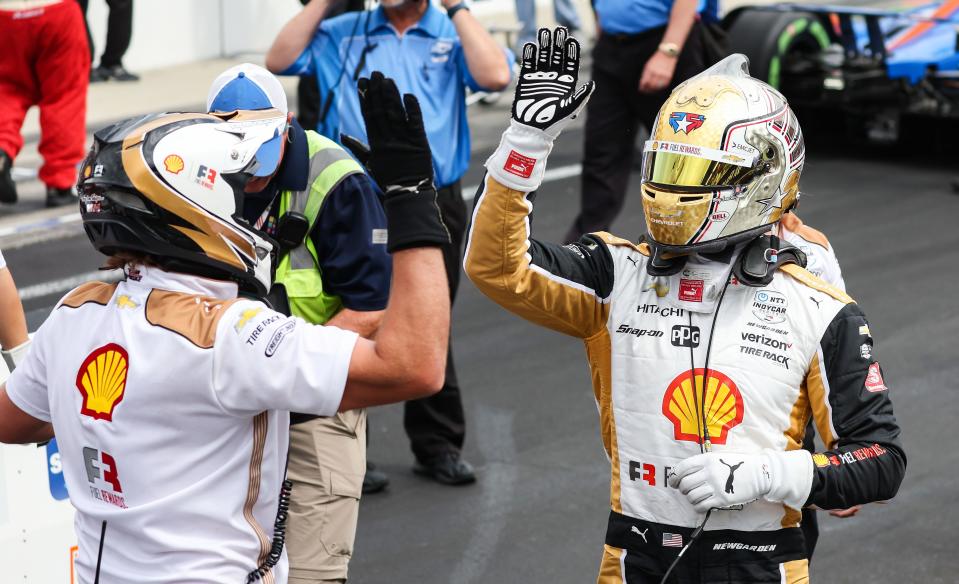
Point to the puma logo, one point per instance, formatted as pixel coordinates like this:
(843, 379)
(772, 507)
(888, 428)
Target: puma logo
(636, 530)
(816, 301)
(630, 258)
(729, 481)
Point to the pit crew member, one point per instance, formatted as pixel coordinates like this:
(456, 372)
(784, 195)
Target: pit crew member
(170, 391)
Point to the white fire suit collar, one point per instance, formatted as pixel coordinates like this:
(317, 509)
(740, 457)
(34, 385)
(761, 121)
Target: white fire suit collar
(153, 277)
(697, 286)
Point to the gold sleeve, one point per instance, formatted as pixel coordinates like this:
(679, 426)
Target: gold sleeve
(564, 288)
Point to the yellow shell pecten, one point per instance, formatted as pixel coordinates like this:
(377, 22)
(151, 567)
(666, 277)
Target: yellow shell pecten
(102, 381)
(684, 402)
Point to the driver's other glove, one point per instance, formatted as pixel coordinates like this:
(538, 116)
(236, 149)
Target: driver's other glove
(718, 480)
(546, 100)
(401, 164)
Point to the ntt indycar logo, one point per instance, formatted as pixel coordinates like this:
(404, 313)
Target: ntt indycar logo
(769, 306)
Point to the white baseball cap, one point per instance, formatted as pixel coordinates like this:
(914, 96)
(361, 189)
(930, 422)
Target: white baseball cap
(247, 87)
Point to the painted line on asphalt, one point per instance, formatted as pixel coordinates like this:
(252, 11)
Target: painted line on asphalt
(64, 284)
(39, 225)
(551, 174)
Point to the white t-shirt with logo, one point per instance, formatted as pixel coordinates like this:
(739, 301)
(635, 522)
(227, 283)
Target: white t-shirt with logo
(170, 398)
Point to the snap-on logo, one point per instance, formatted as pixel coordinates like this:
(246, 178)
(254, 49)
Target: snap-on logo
(519, 165)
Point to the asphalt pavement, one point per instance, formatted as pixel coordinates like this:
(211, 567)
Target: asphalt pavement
(538, 512)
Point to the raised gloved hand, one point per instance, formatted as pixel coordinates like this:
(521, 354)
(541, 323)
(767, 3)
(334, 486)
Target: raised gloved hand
(717, 480)
(401, 164)
(545, 102)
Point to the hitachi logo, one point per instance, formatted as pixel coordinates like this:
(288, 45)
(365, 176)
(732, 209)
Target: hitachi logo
(664, 311)
(766, 341)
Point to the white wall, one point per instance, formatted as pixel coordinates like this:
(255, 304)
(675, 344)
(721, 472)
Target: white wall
(170, 32)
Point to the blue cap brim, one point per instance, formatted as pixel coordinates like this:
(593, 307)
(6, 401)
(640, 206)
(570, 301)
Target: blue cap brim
(268, 156)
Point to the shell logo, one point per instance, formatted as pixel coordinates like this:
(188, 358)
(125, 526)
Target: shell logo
(723, 405)
(821, 460)
(102, 381)
(173, 163)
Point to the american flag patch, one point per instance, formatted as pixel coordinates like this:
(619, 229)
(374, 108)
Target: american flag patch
(672, 540)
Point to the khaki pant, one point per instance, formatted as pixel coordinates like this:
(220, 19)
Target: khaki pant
(327, 464)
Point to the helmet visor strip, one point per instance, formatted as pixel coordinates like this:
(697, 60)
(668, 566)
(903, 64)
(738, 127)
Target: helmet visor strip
(688, 165)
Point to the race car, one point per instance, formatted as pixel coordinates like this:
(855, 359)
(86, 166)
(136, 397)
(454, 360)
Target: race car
(873, 65)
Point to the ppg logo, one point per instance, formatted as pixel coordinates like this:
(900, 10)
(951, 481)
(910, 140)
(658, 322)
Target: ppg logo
(684, 336)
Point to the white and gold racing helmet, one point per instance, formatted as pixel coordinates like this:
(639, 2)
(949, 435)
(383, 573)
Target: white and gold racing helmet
(171, 186)
(722, 163)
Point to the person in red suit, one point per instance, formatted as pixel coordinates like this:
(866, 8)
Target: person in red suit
(46, 62)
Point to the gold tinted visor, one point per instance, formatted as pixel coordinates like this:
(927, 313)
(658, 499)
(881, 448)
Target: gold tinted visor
(694, 166)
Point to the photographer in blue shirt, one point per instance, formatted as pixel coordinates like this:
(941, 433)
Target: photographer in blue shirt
(435, 56)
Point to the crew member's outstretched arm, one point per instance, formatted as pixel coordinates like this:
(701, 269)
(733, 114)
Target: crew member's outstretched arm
(408, 358)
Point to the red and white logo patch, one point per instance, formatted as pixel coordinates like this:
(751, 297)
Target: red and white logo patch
(519, 165)
(691, 290)
(874, 382)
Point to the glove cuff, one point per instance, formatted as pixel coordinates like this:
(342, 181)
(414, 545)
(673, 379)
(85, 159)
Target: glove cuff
(413, 219)
(520, 161)
(16, 355)
(791, 477)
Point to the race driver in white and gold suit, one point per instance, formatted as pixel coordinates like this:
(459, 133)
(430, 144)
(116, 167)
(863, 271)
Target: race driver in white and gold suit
(712, 294)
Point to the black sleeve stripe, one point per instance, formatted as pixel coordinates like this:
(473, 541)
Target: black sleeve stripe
(867, 462)
(586, 265)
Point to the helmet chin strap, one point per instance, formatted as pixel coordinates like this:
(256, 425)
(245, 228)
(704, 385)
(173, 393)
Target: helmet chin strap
(760, 259)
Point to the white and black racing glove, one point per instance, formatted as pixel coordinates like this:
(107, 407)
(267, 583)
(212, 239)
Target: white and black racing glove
(546, 100)
(718, 480)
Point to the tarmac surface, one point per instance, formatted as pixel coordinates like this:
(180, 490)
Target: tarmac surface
(538, 512)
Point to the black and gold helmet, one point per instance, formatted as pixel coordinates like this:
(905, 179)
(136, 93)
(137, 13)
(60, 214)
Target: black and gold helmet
(722, 163)
(171, 186)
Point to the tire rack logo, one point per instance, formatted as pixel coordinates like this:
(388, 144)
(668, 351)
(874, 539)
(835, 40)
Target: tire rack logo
(770, 306)
(777, 350)
(102, 381)
(722, 406)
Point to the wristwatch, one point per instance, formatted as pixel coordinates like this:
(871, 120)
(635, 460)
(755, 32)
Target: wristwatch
(452, 10)
(671, 49)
